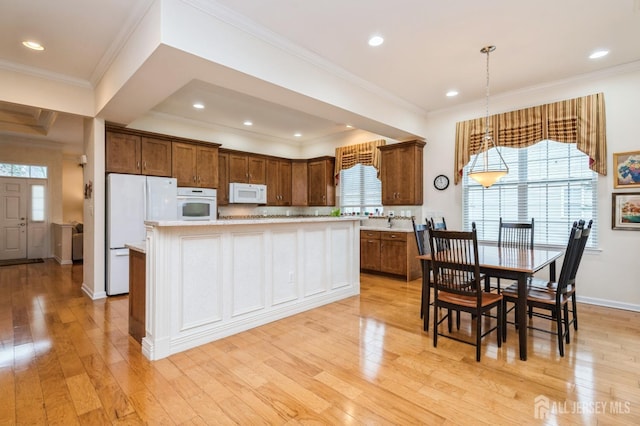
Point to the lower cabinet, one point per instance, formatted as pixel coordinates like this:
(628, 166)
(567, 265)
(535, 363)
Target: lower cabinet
(389, 252)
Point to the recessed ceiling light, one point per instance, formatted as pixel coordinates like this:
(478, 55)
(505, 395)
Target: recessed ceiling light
(297, 135)
(198, 105)
(452, 93)
(376, 41)
(349, 126)
(34, 45)
(598, 54)
(248, 123)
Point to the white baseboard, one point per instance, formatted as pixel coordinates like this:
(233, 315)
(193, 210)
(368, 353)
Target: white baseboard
(93, 296)
(608, 303)
(63, 262)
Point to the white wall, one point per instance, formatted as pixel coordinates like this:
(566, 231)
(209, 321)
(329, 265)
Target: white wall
(72, 190)
(606, 275)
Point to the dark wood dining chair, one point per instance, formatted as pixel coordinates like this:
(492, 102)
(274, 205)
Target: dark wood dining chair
(553, 298)
(515, 235)
(441, 225)
(421, 235)
(458, 285)
(550, 285)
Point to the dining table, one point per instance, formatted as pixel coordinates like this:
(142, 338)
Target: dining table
(506, 263)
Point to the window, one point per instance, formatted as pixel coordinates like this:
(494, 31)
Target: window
(549, 181)
(22, 170)
(360, 190)
(37, 203)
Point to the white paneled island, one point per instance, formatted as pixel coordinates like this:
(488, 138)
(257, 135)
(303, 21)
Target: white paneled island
(208, 280)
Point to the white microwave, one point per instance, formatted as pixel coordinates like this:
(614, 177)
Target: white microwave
(248, 193)
(197, 204)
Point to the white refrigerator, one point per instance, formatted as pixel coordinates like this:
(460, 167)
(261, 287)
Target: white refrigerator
(132, 199)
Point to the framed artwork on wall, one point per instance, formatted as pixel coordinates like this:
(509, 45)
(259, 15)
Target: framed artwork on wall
(627, 169)
(625, 211)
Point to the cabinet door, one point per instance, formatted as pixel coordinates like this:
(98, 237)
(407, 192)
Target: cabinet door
(273, 189)
(137, 294)
(401, 173)
(257, 169)
(207, 167)
(370, 251)
(184, 162)
(405, 175)
(388, 175)
(321, 187)
(299, 187)
(223, 179)
(284, 182)
(123, 153)
(156, 157)
(238, 168)
(393, 257)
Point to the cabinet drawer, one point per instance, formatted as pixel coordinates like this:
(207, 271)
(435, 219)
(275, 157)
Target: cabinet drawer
(395, 236)
(372, 235)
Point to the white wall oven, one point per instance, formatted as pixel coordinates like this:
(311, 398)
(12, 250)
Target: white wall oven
(197, 204)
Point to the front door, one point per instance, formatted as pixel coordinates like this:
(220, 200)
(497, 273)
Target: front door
(13, 218)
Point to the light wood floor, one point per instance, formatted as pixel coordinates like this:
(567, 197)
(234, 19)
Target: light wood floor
(65, 359)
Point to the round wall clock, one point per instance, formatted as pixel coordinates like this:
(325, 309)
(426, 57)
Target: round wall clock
(441, 182)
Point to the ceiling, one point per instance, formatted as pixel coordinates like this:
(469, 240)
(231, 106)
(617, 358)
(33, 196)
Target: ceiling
(429, 49)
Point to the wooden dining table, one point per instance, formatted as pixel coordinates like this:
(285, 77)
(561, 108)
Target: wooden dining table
(505, 263)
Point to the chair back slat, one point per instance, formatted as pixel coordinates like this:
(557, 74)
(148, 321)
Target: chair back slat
(438, 226)
(516, 234)
(420, 233)
(456, 269)
(584, 236)
(570, 256)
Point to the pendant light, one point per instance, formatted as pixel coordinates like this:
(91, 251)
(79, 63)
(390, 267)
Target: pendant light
(485, 174)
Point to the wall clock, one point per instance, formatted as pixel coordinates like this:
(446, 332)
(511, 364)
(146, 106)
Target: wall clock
(441, 182)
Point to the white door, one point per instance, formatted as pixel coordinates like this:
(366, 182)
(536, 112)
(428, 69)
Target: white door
(13, 218)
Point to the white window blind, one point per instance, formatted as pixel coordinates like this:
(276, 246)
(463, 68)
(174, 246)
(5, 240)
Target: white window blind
(549, 181)
(360, 190)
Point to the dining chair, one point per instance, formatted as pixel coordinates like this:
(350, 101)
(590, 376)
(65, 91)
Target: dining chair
(517, 235)
(554, 298)
(442, 225)
(421, 235)
(546, 284)
(457, 285)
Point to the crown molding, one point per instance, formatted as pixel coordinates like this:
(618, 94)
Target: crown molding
(47, 75)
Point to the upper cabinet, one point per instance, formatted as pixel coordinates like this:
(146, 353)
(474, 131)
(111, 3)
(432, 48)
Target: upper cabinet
(135, 154)
(278, 182)
(401, 173)
(299, 183)
(195, 165)
(322, 190)
(223, 178)
(247, 168)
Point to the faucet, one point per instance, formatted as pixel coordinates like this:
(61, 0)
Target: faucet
(389, 222)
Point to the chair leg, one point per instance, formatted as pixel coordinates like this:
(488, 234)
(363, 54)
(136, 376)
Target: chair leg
(458, 320)
(478, 335)
(575, 311)
(435, 326)
(560, 334)
(566, 323)
(503, 330)
(449, 322)
(500, 324)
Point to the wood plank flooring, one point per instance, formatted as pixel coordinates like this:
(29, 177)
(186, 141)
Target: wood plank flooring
(65, 359)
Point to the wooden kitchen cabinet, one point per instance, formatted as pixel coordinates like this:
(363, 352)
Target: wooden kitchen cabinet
(137, 294)
(136, 154)
(321, 187)
(278, 182)
(401, 173)
(223, 179)
(195, 165)
(389, 252)
(370, 251)
(247, 168)
(299, 183)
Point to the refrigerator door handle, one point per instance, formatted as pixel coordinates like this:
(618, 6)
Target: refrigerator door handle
(122, 254)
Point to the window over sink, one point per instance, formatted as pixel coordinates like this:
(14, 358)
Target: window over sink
(360, 190)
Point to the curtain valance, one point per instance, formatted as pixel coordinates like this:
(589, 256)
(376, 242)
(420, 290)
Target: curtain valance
(579, 120)
(366, 154)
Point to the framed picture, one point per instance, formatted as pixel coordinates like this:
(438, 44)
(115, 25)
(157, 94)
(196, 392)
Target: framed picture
(625, 211)
(627, 168)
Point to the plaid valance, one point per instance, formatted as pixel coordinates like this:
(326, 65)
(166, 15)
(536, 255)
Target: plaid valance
(366, 154)
(579, 120)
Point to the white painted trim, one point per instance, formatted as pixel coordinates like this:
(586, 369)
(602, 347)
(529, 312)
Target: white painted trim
(93, 296)
(608, 303)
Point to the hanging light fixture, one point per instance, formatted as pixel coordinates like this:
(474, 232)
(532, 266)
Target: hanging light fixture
(485, 174)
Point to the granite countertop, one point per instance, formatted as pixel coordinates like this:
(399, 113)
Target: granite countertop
(253, 220)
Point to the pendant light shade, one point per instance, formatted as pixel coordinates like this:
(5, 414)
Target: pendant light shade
(484, 173)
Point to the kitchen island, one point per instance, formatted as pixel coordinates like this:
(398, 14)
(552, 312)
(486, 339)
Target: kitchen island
(208, 280)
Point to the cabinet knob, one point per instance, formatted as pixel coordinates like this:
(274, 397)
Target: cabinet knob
(194, 178)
